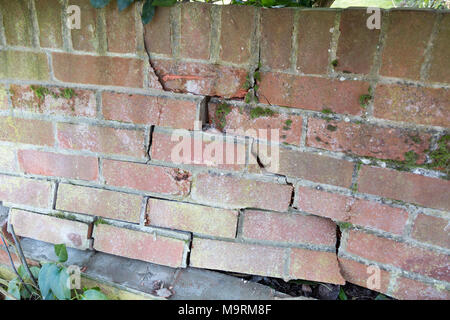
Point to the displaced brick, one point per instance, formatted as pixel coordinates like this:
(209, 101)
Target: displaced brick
(101, 70)
(158, 32)
(121, 28)
(23, 65)
(405, 186)
(102, 139)
(85, 38)
(145, 177)
(189, 217)
(58, 165)
(419, 105)
(233, 192)
(312, 56)
(152, 110)
(26, 131)
(406, 40)
(398, 254)
(16, 17)
(367, 140)
(312, 93)
(352, 210)
(440, 56)
(49, 19)
(8, 162)
(409, 289)
(195, 31)
(314, 265)
(103, 203)
(73, 234)
(237, 257)
(53, 100)
(433, 230)
(139, 245)
(29, 192)
(289, 228)
(277, 27)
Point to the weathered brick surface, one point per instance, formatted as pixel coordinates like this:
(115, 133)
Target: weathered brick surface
(312, 56)
(53, 100)
(114, 71)
(120, 28)
(409, 289)
(26, 131)
(50, 229)
(152, 110)
(398, 254)
(237, 257)
(406, 40)
(241, 193)
(289, 228)
(189, 217)
(8, 162)
(367, 140)
(312, 93)
(85, 38)
(58, 165)
(104, 203)
(432, 230)
(240, 118)
(440, 61)
(195, 31)
(30, 192)
(17, 22)
(348, 209)
(23, 65)
(102, 139)
(314, 265)
(146, 177)
(158, 32)
(3, 98)
(405, 186)
(49, 20)
(419, 105)
(139, 245)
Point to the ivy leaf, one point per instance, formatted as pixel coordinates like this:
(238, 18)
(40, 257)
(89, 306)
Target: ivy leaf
(59, 285)
(93, 294)
(13, 288)
(342, 295)
(148, 11)
(48, 272)
(123, 4)
(99, 3)
(61, 252)
(163, 3)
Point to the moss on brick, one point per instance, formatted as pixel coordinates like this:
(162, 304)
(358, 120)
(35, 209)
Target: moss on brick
(222, 111)
(440, 158)
(261, 112)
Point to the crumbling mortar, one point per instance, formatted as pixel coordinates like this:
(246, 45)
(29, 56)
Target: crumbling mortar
(424, 70)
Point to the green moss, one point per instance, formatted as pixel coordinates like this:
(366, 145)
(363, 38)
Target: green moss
(440, 158)
(364, 100)
(334, 63)
(99, 220)
(222, 111)
(257, 76)
(68, 93)
(331, 128)
(411, 158)
(261, 112)
(288, 122)
(40, 92)
(344, 225)
(327, 111)
(415, 138)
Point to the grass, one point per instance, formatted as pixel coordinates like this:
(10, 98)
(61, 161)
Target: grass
(363, 3)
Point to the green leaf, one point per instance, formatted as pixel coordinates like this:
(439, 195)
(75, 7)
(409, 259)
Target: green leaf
(22, 272)
(13, 288)
(48, 272)
(123, 4)
(59, 285)
(93, 294)
(61, 252)
(35, 271)
(381, 297)
(163, 3)
(148, 11)
(99, 3)
(342, 295)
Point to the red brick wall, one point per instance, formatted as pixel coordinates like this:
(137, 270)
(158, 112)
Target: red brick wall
(86, 118)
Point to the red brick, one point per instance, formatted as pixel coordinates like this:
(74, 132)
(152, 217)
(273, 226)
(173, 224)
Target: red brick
(348, 209)
(195, 31)
(85, 38)
(202, 150)
(146, 177)
(121, 28)
(98, 202)
(367, 140)
(24, 65)
(358, 273)
(409, 289)
(17, 24)
(289, 126)
(30, 192)
(102, 139)
(420, 105)
(101, 70)
(277, 27)
(4, 259)
(139, 245)
(59, 165)
(74, 234)
(49, 19)
(8, 160)
(401, 255)
(312, 56)
(76, 103)
(357, 43)
(199, 219)
(234, 192)
(289, 228)
(405, 186)
(200, 78)
(26, 131)
(432, 230)
(440, 56)
(237, 257)
(158, 32)
(142, 109)
(312, 93)
(406, 40)
(237, 30)
(315, 266)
